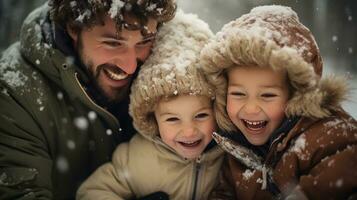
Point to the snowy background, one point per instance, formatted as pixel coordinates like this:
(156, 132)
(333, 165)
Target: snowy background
(333, 22)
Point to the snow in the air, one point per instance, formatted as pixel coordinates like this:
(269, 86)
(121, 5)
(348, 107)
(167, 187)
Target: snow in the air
(62, 164)
(81, 123)
(109, 132)
(92, 115)
(71, 144)
(60, 95)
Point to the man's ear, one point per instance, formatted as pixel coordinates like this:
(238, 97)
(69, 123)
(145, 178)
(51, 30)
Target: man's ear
(72, 33)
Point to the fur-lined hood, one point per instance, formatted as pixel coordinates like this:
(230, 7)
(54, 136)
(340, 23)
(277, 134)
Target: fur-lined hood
(273, 36)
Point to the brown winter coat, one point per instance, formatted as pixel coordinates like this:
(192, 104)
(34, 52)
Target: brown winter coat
(317, 159)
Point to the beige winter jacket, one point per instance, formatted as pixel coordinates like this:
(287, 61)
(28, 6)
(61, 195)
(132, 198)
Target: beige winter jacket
(147, 165)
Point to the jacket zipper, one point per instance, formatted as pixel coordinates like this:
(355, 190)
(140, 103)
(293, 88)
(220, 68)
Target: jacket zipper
(96, 105)
(196, 175)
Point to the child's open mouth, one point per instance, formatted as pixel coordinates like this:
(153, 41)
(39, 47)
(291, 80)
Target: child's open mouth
(254, 125)
(190, 144)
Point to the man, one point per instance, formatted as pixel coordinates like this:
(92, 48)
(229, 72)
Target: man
(64, 89)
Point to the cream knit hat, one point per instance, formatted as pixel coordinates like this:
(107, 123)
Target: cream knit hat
(172, 69)
(272, 36)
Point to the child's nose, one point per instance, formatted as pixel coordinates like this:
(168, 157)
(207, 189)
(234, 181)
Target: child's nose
(251, 107)
(189, 131)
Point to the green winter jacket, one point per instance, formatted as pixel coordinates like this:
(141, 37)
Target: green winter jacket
(52, 135)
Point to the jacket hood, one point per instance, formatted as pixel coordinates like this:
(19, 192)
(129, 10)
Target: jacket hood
(36, 46)
(273, 36)
(172, 69)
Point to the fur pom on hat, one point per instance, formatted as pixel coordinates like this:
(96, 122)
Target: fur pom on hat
(272, 36)
(172, 69)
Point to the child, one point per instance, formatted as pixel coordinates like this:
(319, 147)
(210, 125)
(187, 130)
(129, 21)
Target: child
(171, 106)
(287, 136)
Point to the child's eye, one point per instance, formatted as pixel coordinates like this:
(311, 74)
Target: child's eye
(239, 94)
(201, 115)
(172, 119)
(269, 95)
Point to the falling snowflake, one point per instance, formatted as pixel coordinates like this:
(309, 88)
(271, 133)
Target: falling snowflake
(62, 164)
(81, 123)
(71, 144)
(334, 38)
(60, 95)
(92, 115)
(109, 132)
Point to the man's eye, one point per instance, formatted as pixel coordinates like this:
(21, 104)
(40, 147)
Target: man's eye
(146, 42)
(172, 119)
(112, 43)
(201, 115)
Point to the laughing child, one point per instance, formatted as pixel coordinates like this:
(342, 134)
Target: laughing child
(285, 132)
(171, 105)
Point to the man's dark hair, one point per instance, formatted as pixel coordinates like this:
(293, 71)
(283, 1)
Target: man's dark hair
(83, 14)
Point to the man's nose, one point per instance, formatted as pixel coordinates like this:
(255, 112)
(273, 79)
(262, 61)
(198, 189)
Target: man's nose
(129, 61)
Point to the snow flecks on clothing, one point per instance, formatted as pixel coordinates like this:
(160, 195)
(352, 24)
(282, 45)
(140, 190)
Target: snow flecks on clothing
(247, 174)
(4, 91)
(81, 123)
(71, 144)
(299, 147)
(92, 115)
(69, 60)
(38, 31)
(331, 163)
(8, 72)
(38, 62)
(262, 26)
(62, 164)
(13, 78)
(333, 123)
(115, 8)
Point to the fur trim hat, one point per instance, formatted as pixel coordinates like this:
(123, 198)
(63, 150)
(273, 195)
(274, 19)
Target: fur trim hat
(272, 36)
(171, 70)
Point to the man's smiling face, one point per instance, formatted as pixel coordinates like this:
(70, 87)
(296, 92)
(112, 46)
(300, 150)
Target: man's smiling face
(112, 57)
